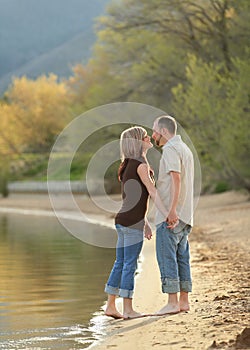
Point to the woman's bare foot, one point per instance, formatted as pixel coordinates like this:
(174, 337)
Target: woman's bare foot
(113, 313)
(132, 314)
(168, 309)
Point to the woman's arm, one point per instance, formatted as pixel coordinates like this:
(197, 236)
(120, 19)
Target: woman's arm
(147, 230)
(143, 172)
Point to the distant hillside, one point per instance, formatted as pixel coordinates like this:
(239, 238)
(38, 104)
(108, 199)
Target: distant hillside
(43, 36)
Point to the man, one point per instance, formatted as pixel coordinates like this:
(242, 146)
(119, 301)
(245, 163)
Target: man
(175, 188)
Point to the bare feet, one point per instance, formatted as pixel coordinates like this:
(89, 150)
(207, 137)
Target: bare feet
(184, 307)
(184, 304)
(113, 313)
(169, 309)
(132, 314)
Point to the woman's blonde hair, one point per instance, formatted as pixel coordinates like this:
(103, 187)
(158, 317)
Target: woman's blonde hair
(130, 146)
(131, 142)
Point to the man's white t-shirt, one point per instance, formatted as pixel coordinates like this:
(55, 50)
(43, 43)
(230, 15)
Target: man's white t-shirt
(177, 157)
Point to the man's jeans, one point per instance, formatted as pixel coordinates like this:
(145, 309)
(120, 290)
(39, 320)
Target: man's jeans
(129, 245)
(173, 257)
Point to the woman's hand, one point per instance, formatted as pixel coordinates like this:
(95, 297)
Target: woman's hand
(148, 232)
(172, 219)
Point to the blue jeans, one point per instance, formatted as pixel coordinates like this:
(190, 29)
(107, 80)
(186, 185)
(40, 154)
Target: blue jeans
(129, 245)
(172, 249)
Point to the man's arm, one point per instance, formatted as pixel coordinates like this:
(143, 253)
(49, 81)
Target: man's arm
(172, 218)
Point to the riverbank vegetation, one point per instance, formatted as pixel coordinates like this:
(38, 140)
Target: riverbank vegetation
(188, 58)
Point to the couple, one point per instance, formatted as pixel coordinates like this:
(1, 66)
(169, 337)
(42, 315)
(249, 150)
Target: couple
(174, 212)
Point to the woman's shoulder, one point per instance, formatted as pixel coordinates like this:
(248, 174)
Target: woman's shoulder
(137, 161)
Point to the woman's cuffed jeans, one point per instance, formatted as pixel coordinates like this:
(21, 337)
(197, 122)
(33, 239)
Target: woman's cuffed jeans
(129, 245)
(172, 250)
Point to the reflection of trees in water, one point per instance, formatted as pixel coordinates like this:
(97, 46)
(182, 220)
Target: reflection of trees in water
(45, 271)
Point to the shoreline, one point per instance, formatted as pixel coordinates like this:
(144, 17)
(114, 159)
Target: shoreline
(220, 298)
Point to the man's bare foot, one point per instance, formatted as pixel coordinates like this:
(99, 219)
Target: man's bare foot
(113, 313)
(184, 303)
(169, 309)
(184, 306)
(132, 314)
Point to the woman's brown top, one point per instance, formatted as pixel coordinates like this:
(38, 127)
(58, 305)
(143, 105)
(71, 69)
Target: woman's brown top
(134, 197)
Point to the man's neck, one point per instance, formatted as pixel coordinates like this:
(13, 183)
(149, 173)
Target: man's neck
(167, 139)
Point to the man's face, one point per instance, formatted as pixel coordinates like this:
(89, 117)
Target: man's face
(157, 136)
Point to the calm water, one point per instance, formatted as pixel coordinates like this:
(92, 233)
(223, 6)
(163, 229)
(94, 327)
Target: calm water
(51, 285)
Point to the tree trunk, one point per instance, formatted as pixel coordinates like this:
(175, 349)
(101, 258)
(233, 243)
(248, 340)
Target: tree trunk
(4, 172)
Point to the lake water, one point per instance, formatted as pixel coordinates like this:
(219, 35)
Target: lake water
(51, 285)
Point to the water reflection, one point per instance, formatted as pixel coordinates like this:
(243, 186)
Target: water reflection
(50, 284)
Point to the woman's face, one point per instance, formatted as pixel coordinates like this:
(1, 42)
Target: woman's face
(146, 143)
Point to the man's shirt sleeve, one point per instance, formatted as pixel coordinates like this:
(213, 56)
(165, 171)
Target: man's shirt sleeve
(171, 160)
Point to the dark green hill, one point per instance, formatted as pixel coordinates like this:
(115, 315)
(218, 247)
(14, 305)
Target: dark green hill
(42, 36)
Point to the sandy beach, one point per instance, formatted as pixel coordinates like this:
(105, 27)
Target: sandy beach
(219, 315)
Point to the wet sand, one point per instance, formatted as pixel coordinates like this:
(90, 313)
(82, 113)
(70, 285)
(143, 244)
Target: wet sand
(220, 301)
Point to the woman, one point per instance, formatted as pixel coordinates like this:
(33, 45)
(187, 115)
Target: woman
(131, 223)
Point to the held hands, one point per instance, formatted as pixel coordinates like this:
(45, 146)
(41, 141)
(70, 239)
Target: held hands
(172, 219)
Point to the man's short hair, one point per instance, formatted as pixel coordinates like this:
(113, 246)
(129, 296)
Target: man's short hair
(167, 122)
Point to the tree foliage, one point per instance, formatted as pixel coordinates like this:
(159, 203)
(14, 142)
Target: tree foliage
(32, 114)
(186, 57)
(189, 58)
(142, 47)
(215, 107)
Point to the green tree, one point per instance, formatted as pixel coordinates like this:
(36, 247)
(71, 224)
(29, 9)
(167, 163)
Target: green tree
(142, 47)
(211, 29)
(214, 107)
(186, 57)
